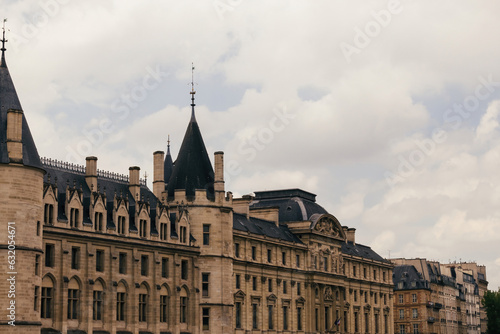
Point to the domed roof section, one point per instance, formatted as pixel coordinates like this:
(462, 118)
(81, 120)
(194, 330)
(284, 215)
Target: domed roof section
(9, 100)
(294, 204)
(193, 169)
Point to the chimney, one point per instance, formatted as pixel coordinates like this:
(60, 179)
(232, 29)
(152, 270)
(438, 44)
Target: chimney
(133, 179)
(242, 205)
(158, 171)
(91, 172)
(219, 171)
(350, 234)
(15, 135)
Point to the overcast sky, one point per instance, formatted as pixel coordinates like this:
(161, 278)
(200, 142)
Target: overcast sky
(387, 110)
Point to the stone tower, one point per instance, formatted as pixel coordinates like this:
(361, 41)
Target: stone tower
(21, 214)
(197, 194)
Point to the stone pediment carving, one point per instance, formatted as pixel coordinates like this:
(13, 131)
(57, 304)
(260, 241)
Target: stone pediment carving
(328, 294)
(300, 301)
(327, 226)
(239, 295)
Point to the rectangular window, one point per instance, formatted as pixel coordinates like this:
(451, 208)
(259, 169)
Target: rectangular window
(285, 287)
(325, 263)
(143, 228)
(35, 299)
(354, 271)
(356, 322)
(255, 313)
(283, 258)
(206, 234)
(375, 298)
(414, 297)
(401, 300)
(367, 323)
(121, 225)
(238, 314)
(183, 311)
(99, 260)
(164, 267)
(366, 296)
(401, 314)
(120, 306)
(327, 317)
(238, 281)
(269, 256)
(205, 281)
(75, 258)
(415, 328)
(237, 250)
(364, 272)
(377, 327)
(383, 276)
(163, 231)
(299, 318)
(37, 265)
(374, 274)
(297, 260)
(316, 318)
(46, 311)
(254, 253)
(184, 269)
(49, 255)
(254, 283)
(143, 307)
(163, 308)
(355, 295)
(183, 232)
(122, 265)
(72, 304)
(270, 285)
(144, 265)
(205, 318)
(415, 313)
(346, 329)
(97, 305)
(285, 317)
(270, 311)
(299, 292)
(401, 329)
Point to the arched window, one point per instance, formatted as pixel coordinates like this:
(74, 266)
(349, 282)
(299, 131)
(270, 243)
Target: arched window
(73, 299)
(143, 303)
(98, 300)
(164, 303)
(47, 298)
(184, 300)
(121, 302)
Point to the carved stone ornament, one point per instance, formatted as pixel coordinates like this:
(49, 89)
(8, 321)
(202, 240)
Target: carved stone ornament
(328, 294)
(327, 226)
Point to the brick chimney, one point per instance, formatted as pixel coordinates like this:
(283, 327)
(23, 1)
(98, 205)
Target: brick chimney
(133, 179)
(91, 172)
(219, 171)
(158, 173)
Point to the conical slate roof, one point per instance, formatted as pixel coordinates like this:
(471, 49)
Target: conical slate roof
(168, 166)
(192, 169)
(9, 100)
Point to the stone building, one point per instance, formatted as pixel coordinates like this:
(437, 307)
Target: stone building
(98, 252)
(435, 298)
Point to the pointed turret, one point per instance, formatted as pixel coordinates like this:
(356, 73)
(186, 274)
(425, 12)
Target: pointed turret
(16, 142)
(168, 165)
(193, 169)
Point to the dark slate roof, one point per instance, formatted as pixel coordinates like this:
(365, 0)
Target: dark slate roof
(9, 100)
(407, 277)
(192, 169)
(263, 227)
(74, 178)
(294, 204)
(168, 166)
(356, 249)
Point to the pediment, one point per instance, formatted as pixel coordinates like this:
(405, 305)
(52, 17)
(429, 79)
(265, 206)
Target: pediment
(239, 295)
(327, 224)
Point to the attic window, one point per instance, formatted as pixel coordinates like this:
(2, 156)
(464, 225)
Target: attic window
(289, 208)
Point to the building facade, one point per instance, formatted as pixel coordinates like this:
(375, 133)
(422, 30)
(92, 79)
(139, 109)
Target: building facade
(435, 298)
(98, 252)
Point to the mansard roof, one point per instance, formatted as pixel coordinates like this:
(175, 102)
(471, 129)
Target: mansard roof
(263, 227)
(9, 100)
(294, 204)
(193, 169)
(65, 175)
(355, 249)
(407, 277)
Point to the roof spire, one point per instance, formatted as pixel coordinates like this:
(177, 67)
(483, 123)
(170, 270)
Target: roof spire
(192, 93)
(168, 142)
(3, 64)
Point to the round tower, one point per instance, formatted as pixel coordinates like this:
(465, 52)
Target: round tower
(21, 215)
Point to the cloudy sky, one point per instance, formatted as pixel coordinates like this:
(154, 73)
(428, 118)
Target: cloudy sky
(387, 110)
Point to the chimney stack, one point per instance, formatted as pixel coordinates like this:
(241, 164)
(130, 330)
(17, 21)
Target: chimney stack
(350, 234)
(15, 135)
(91, 172)
(219, 171)
(158, 172)
(133, 179)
